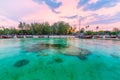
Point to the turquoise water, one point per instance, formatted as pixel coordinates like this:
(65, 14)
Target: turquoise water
(59, 59)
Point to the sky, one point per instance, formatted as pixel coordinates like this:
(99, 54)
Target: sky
(102, 13)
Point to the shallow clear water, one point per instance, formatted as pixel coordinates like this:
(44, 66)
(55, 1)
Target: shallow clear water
(36, 59)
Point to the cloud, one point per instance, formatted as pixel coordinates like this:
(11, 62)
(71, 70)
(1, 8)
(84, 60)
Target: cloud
(104, 13)
(57, 12)
(70, 17)
(53, 4)
(93, 1)
(82, 2)
(10, 23)
(97, 4)
(86, 2)
(43, 13)
(108, 11)
(105, 19)
(109, 26)
(14, 9)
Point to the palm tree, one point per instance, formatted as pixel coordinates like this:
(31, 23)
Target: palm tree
(115, 30)
(97, 27)
(82, 30)
(21, 26)
(87, 27)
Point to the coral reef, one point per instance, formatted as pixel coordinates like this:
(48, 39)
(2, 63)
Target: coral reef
(65, 49)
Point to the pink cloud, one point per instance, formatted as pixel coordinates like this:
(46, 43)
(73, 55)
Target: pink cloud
(106, 27)
(30, 11)
(92, 1)
(4, 21)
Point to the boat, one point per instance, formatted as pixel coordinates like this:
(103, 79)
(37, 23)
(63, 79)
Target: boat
(29, 36)
(6, 36)
(20, 36)
(118, 35)
(113, 36)
(0, 36)
(41, 36)
(88, 37)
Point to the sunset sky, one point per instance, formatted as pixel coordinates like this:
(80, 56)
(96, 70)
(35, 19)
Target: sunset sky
(102, 13)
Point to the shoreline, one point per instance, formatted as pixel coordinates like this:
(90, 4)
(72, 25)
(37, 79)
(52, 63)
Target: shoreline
(114, 39)
(35, 36)
(51, 36)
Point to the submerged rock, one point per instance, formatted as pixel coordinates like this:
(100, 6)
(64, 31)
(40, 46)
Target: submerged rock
(35, 48)
(115, 56)
(58, 60)
(61, 49)
(83, 54)
(43, 46)
(81, 57)
(55, 45)
(21, 63)
(78, 52)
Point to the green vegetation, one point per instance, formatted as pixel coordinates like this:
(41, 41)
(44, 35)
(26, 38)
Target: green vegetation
(89, 32)
(58, 28)
(10, 31)
(115, 31)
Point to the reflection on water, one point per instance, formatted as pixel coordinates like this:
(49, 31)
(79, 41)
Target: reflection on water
(55, 59)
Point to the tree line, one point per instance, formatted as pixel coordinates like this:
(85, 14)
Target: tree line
(115, 31)
(58, 28)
